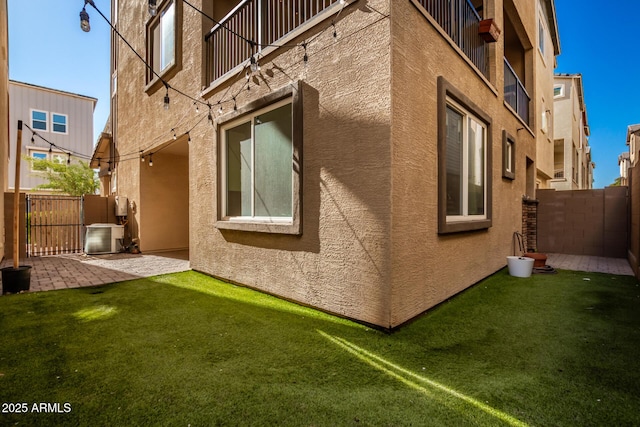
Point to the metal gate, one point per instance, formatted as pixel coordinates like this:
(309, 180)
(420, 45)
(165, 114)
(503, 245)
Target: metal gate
(54, 224)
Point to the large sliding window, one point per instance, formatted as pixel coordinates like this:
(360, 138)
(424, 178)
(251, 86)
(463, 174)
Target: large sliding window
(259, 169)
(258, 155)
(464, 163)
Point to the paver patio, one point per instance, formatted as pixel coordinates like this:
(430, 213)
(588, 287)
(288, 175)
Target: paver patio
(78, 270)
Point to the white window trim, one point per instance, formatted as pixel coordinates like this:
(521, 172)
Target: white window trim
(66, 123)
(31, 152)
(223, 167)
(561, 86)
(46, 120)
(171, 4)
(465, 165)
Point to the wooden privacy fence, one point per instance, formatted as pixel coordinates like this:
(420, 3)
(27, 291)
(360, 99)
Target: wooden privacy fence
(54, 224)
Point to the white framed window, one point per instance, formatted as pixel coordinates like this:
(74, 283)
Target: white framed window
(508, 156)
(541, 37)
(464, 162)
(59, 158)
(59, 123)
(466, 140)
(38, 155)
(257, 165)
(39, 120)
(558, 91)
(163, 39)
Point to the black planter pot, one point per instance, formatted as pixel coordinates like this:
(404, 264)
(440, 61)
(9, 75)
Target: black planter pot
(15, 280)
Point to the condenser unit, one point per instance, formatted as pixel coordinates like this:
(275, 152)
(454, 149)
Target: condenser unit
(103, 239)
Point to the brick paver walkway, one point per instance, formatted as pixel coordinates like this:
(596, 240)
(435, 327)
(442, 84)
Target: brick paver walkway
(77, 270)
(596, 264)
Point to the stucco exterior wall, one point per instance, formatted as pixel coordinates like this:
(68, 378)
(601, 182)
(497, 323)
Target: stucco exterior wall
(428, 268)
(544, 66)
(340, 263)
(369, 248)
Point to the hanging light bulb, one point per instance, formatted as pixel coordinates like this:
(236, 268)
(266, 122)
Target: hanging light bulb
(153, 8)
(150, 160)
(33, 141)
(99, 162)
(220, 108)
(84, 21)
(175, 136)
(109, 170)
(255, 67)
(141, 156)
(210, 117)
(335, 32)
(166, 100)
(69, 158)
(197, 107)
(50, 150)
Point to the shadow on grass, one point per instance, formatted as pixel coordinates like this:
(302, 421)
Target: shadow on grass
(187, 349)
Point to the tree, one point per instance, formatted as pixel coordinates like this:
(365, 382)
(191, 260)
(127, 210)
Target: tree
(617, 182)
(75, 179)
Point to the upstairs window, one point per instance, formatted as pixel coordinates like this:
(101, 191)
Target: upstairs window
(163, 40)
(558, 91)
(59, 123)
(39, 120)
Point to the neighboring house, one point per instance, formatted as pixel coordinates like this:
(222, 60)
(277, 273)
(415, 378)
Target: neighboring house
(633, 141)
(548, 47)
(368, 158)
(63, 119)
(4, 117)
(572, 152)
(625, 163)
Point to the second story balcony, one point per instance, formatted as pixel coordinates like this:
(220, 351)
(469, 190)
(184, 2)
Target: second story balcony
(460, 20)
(253, 26)
(515, 94)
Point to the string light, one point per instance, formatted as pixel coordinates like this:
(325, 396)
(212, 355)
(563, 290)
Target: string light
(69, 158)
(175, 136)
(153, 8)
(84, 20)
(166, 98)
(197, 107)
(33, 141)
(305, 58)
(255, 66)
(151, 159)
(141, 156)
(335, 32)
(50, 150)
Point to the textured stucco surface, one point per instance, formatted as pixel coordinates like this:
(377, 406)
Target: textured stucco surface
(427, 268)
(370, 248)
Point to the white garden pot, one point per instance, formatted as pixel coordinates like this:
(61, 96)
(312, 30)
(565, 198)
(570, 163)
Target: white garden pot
(520, 266)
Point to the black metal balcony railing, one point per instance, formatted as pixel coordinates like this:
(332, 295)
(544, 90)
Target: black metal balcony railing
(515, 94)
(263, 22)
(459, 19)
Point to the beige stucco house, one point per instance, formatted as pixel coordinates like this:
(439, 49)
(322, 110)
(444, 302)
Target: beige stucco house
(368, 158)
(573, 163)
(547, 48)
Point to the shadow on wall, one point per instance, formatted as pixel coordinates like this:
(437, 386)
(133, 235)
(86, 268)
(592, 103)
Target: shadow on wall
(346, 178)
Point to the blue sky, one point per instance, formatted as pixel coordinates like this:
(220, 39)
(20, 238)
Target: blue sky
(47, 48)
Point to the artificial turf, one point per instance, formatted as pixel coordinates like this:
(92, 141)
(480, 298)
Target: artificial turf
(185, 349)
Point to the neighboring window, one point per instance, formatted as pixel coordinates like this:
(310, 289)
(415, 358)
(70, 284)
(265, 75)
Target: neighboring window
(464, 162)
(59, 123)
(259, 167)
(59, 158)
(162, 40)
(558, 91)
(38, 155)
(39, 120)
(541, 37)
(508, 156)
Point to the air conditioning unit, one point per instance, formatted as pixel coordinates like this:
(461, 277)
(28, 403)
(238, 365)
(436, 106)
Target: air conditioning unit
(103, 239)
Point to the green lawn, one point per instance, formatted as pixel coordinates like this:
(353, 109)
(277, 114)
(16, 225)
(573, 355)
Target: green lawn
(185, 349)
